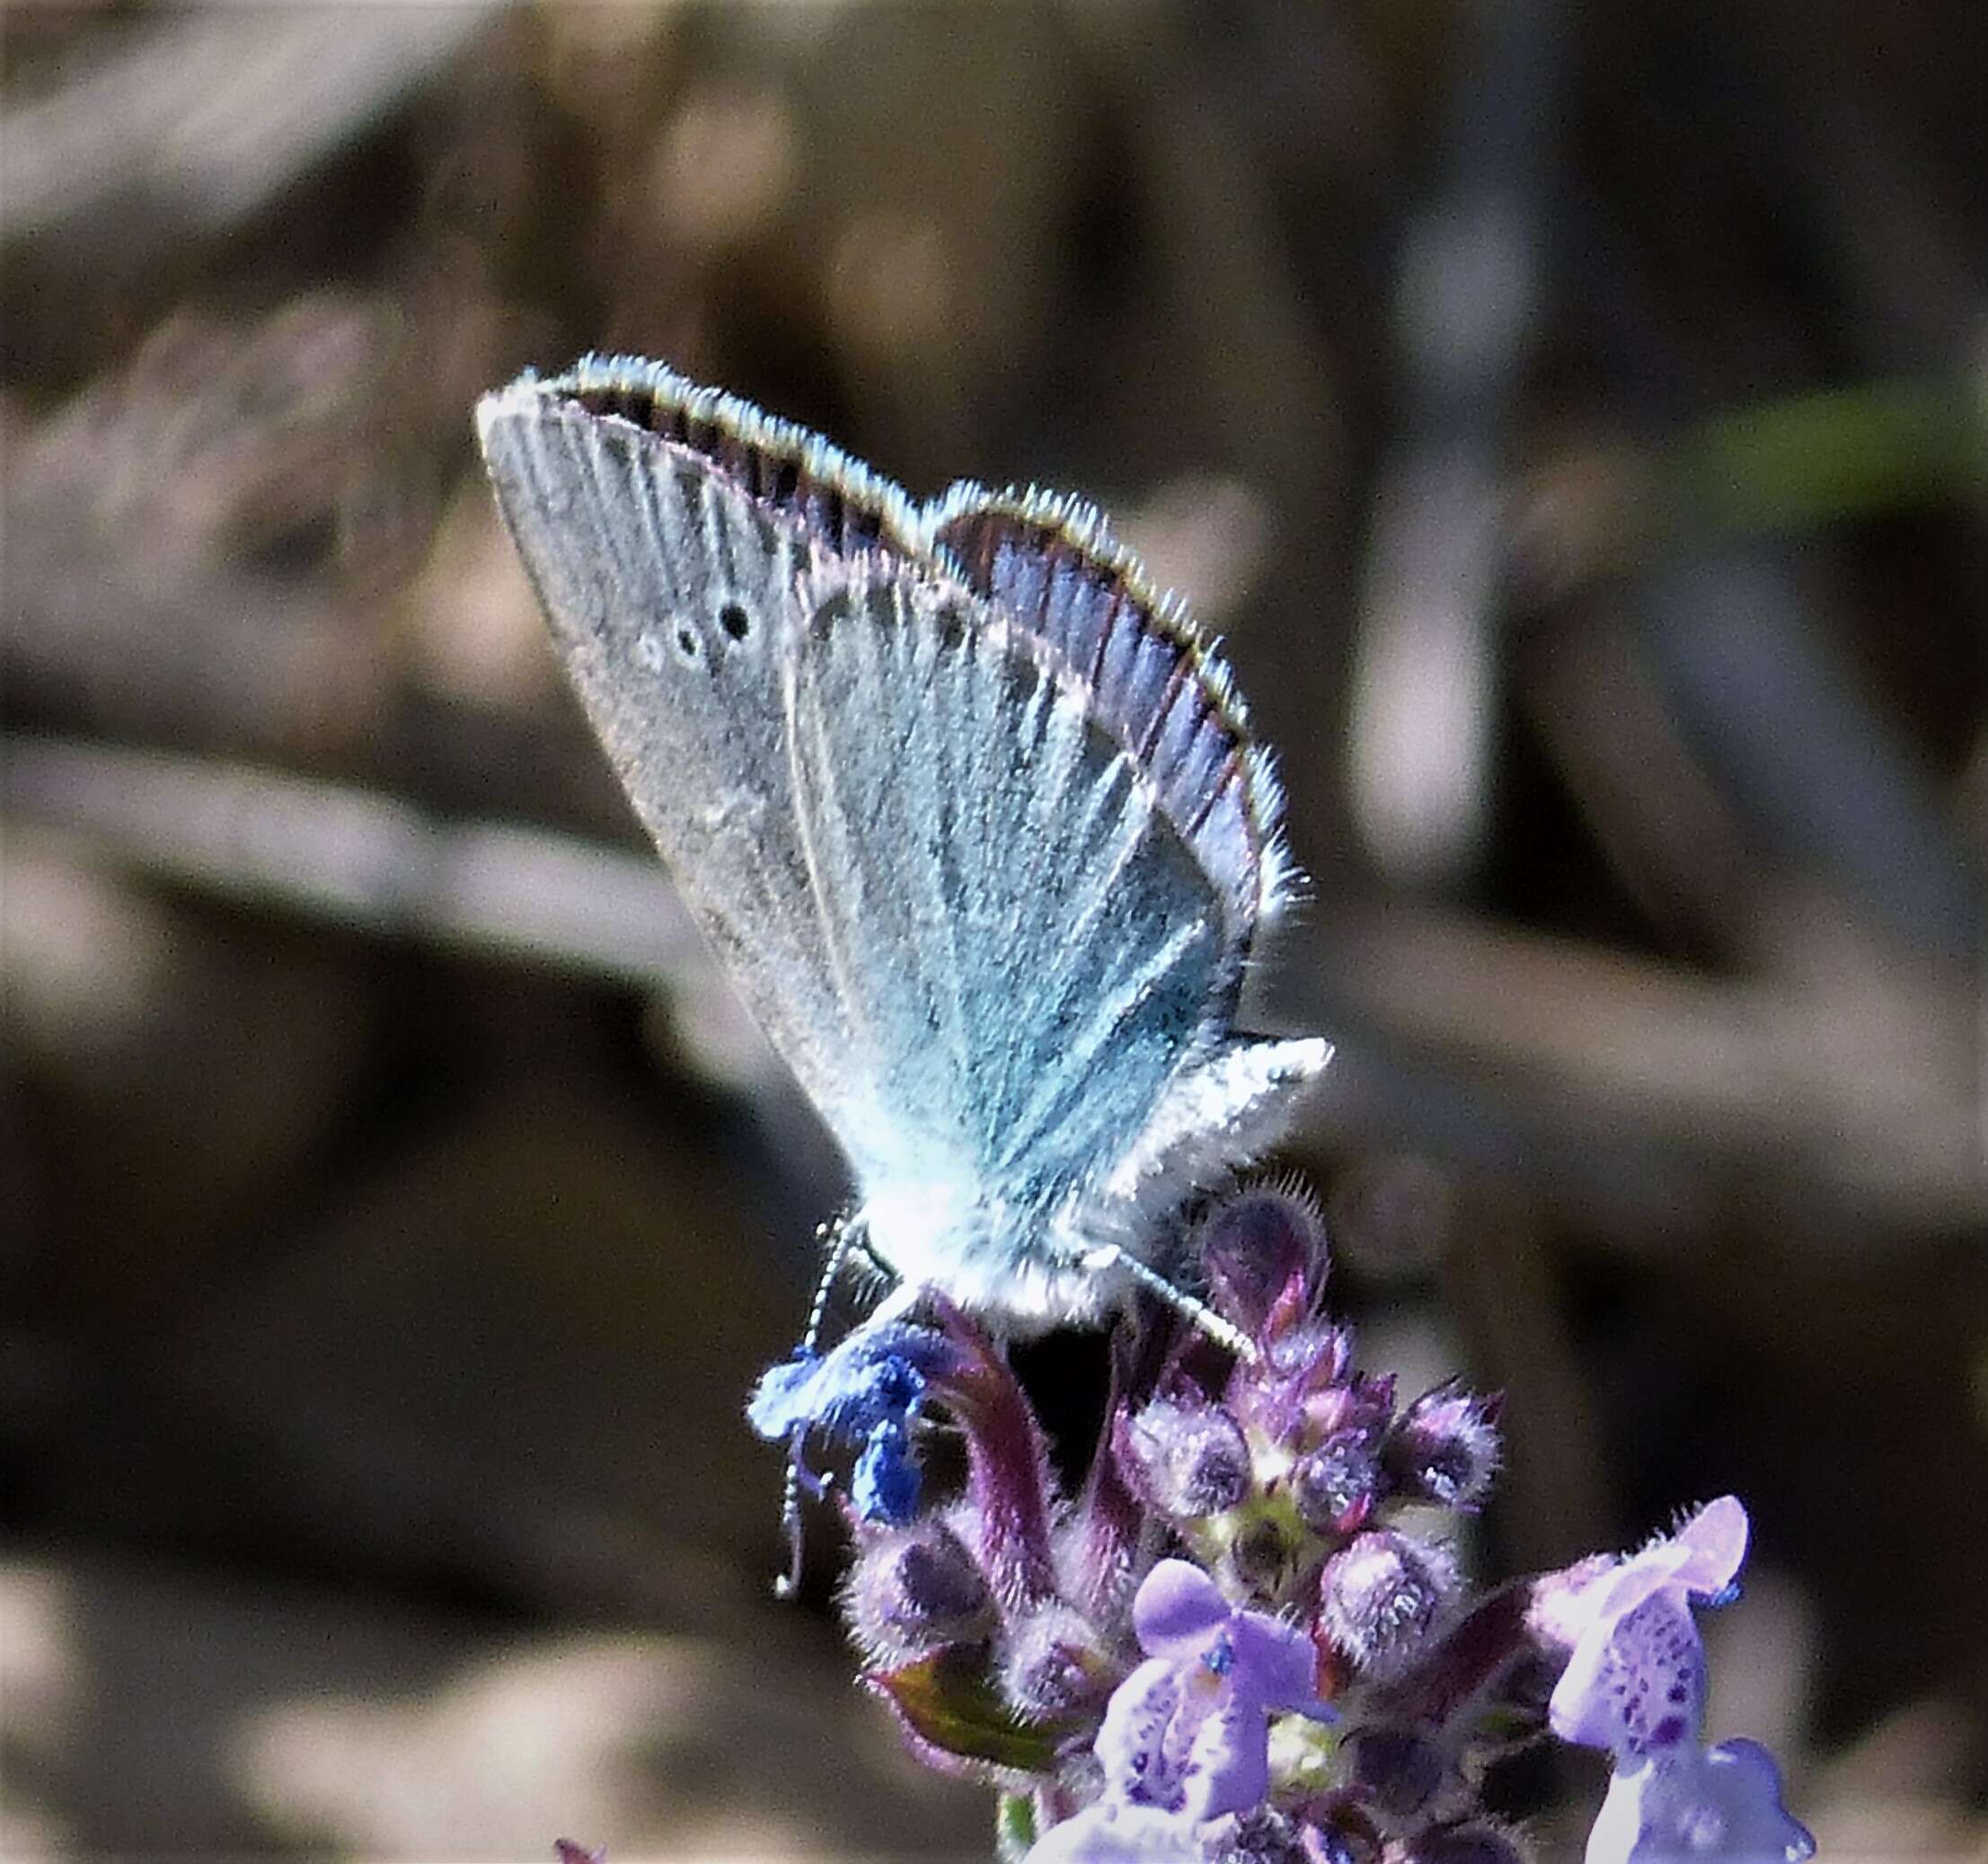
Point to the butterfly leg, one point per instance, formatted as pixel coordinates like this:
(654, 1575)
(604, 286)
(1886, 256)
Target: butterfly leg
(1108, 1256)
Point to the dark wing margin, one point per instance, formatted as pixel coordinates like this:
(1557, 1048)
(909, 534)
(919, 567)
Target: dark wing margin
(846, 508)
(1048, 563)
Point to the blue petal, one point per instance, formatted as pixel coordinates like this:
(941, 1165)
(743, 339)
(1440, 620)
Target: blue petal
(1720, 1805)
(884, 1485)
(780, 1400)
(878, 1372)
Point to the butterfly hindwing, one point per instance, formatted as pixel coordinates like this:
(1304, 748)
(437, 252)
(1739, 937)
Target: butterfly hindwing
(1026, 946)
(1048, 563)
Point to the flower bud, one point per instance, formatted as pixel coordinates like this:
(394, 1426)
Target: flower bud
(1335, 1487)
(1185, 1460)
(1301, 1367)
(1444, 1447)
(1382, 1594)
(1395, 1773)
(911, 1590)
(1316, 1355)
(1260, 1245)
(1356, 1406)
(1053, 1662)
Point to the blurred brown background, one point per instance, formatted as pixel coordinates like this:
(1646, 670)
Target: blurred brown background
(1573, 417)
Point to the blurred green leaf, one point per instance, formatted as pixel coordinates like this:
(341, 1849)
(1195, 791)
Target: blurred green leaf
(1794, 463)
(950, 1708)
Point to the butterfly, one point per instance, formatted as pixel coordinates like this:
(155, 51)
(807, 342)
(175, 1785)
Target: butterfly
(972, 817)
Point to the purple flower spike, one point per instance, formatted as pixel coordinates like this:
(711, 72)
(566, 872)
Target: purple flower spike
(1636, 1680)
(1721, 1804)
(1189, 1731)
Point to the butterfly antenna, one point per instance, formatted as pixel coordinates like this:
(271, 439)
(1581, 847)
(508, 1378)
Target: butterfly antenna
(843, 1236)
(1197, 1313)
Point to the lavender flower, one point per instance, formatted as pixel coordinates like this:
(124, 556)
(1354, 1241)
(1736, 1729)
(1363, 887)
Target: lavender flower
(1147, 1668)
(1635, 1684)
(1190, 1730)
(1720, 1803)
(1187, 1736)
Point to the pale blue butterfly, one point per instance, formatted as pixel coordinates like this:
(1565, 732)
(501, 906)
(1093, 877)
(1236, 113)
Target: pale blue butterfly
(971, 815)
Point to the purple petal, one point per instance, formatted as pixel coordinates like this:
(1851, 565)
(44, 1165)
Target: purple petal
(1574, 1712)
(1276, 1666)
(1659, 1568)
(1723, 1806)
(1131, 1745)
(1228, 1767)
(1178, 1609)
(1715, 1543)
(1740, 1779)
(1641, 1693)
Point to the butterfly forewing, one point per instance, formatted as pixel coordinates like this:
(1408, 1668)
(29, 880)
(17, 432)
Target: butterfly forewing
(666, 588)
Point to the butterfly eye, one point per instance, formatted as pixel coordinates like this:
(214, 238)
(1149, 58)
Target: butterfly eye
(735, 621)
